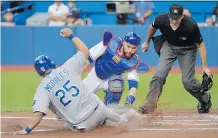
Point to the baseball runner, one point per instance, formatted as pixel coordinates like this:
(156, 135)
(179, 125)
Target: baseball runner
(114, 56)
(63, 92)
(181, 38)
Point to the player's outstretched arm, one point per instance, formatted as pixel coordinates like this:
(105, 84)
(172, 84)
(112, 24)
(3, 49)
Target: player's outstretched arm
(67, 33)
(33, 122)
(133, 78)
(85, 66)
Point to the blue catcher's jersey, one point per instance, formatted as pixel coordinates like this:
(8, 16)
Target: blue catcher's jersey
(111, 63)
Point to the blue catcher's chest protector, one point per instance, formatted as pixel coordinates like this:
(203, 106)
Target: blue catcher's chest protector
(111, 63)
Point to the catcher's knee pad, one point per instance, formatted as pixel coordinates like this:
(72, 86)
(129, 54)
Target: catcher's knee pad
(116, 83)
(115, 90)
(112, 97)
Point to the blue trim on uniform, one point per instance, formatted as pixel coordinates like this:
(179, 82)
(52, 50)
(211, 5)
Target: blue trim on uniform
(130, 99)
(27, 129)
(133, 83)
(90, 58)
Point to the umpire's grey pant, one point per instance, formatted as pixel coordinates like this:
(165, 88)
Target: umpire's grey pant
(187, 59)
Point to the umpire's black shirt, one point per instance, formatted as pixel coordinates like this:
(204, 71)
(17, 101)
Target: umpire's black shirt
(186, 34)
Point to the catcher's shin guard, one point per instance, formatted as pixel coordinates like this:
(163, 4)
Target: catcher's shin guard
(115, 90)
(112, 97)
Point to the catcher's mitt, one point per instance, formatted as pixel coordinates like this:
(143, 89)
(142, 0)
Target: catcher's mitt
(207, 82)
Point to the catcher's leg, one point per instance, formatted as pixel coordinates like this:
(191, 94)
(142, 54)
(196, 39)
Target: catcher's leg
(92, 82)
(112, 97)
(191, 84)
(115, 89)
(167, 57)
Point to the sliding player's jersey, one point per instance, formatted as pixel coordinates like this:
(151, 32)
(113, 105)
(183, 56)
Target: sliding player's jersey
(64, 93)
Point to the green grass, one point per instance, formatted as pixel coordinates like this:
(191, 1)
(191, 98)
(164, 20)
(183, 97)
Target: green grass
(18, 89)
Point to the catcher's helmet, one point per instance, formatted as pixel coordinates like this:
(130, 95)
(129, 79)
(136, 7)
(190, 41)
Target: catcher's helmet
(133, 38)
(43, 63)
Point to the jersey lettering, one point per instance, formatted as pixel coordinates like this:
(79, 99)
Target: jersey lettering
(63, 92)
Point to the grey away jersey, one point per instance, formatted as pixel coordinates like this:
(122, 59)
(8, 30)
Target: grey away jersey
(64, 92)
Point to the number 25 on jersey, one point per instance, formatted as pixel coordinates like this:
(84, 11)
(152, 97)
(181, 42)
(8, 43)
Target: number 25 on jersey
(65, 91)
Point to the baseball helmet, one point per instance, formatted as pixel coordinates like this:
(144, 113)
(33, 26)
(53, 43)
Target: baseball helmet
(133, 38)
(43, 63)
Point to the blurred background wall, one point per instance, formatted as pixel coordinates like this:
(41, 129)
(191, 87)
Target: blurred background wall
(20, 45)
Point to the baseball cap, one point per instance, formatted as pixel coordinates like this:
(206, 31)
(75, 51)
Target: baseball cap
(175, 11)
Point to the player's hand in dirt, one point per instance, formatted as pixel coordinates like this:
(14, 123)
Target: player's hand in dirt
(66, 32)
(22, 132)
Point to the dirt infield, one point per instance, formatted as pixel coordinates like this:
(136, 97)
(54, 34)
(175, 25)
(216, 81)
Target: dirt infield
(166, 124)
(31, 69)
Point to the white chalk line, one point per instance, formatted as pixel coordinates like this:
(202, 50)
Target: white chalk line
(140, 129)
(185, 124)
(11, 117)
(180, 120)
(174, 129)
(164, 120)
(214, 117)
(155, 121)
(35, 130)
(149, 116)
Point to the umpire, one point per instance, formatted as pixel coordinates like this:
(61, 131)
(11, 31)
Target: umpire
(180, 39)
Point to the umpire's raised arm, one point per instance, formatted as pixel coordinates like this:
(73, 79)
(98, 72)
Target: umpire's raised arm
(67, 33)
(151, 32)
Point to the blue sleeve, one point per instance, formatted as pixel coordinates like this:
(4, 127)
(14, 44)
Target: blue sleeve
(90, 59)
(133, 83)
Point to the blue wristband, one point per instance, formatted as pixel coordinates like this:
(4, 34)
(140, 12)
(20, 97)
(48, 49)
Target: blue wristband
(28, 130)
(130, 99)
(71, 36)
